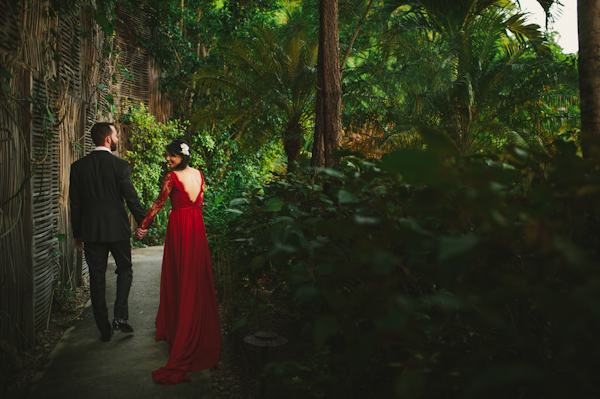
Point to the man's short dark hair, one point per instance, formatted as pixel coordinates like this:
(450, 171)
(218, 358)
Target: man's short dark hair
(101, 131)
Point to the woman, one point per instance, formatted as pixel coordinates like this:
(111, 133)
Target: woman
(187, 316)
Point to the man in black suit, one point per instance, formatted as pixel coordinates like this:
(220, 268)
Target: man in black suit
(99, 183)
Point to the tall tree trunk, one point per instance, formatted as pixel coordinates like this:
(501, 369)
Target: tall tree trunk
(328, 125)
(588, 16)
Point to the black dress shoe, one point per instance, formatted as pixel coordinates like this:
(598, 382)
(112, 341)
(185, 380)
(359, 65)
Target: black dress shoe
(107, 335)
(122, 325)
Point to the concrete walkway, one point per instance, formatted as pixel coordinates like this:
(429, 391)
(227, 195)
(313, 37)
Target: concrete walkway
(83, 366)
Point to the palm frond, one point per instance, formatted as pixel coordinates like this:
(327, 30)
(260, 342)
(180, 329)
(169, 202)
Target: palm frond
(271, 75)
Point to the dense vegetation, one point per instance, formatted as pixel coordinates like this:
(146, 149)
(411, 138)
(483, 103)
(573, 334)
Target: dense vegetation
(227, 171)
(429, 274)
(451, 253)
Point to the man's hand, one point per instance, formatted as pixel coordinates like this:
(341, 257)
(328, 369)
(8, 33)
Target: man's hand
(140, 233)
(78, 244)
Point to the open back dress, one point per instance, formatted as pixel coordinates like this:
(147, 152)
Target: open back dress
(188, 317)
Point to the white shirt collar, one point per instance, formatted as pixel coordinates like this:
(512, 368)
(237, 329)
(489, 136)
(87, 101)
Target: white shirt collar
(102, 148)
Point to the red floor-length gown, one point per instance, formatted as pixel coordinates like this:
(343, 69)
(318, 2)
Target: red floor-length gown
(187, 316)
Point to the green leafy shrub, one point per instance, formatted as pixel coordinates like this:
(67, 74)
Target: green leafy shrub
(227, 171)
(428, 274)
(146, 148)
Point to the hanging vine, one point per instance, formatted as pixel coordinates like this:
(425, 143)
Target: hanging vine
(45, 102)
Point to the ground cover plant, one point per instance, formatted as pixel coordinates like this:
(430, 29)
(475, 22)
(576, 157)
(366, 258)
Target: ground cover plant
(429, 274)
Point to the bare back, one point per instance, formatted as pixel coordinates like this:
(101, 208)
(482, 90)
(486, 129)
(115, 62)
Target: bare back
(191, 179)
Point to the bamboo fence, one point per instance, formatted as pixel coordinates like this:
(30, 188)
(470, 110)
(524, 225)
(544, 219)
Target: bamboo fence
(58, 88)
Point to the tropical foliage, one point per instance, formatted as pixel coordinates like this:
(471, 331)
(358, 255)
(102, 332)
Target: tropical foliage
(184, 33)
(145, 152)
(465, 68)
(268, 80)
(462, 72)
(451, 253)
(227, 171)
(428, 274)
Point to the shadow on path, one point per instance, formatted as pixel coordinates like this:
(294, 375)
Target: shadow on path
(82, 365)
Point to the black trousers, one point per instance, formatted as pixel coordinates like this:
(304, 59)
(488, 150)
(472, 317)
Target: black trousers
(96, 256)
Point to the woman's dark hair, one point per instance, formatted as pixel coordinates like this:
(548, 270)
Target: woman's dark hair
(174, 148)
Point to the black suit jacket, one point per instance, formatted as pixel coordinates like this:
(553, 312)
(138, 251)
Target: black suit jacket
(99, 183)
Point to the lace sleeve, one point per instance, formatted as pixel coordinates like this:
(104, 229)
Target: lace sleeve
(165, 190)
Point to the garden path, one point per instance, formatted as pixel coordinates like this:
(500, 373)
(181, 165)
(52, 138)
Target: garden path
(81, 365)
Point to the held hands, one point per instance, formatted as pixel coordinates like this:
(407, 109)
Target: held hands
(140, 233)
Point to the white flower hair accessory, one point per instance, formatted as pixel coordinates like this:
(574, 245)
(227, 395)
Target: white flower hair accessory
(185, 149)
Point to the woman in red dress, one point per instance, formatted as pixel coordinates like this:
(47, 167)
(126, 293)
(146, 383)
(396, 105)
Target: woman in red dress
(188, 317)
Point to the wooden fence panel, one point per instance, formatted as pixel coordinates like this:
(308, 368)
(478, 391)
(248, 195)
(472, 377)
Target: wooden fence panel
(16, 284)
(59, 88)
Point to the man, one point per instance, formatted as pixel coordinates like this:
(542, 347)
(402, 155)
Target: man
(100, 182)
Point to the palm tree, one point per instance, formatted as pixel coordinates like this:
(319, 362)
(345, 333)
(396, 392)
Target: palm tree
(452, 65)
(588, 25)
(483, 62)
(270, 79)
